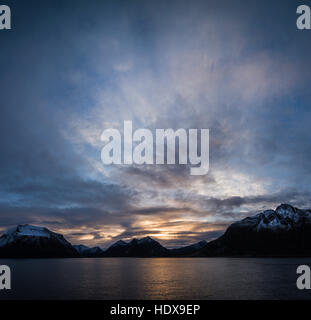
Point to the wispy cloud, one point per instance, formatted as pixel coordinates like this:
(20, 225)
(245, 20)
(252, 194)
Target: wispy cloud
(68, 76)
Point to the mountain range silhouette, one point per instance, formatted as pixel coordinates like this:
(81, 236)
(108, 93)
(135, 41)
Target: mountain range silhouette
(285, 231)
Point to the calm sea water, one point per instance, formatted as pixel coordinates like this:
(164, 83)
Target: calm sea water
(162, 278)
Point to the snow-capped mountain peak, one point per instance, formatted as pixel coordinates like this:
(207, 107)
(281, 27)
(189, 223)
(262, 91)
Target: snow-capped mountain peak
(29, 231)
(87, 251)
(285, 231)
(32, 241)
(284, 218)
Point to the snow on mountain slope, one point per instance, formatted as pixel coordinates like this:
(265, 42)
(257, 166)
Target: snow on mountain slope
(285, 231)
(87, 251)
(26, 240)
(22, 230)
(284, 218)
(28, 230)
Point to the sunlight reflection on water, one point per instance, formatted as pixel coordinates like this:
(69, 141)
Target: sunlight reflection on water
(160, 278)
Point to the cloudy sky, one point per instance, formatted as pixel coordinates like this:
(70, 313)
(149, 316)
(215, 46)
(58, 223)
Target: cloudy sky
(70, 69)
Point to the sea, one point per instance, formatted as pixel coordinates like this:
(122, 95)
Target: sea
(155, 278)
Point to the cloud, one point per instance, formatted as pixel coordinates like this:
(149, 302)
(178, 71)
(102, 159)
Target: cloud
(162, 65)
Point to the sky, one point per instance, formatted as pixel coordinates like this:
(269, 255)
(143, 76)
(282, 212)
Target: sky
(71, 69)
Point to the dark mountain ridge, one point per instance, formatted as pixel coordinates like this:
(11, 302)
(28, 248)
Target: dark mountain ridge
(146, 247)
(285, 231)
(26, 241)
(188, 250)
(88, 252)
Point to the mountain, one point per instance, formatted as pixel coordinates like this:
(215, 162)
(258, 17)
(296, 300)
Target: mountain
(85, 251)
(188, 250)
(117, 249)
(146, 247)
(285, 231)
(34, 242)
